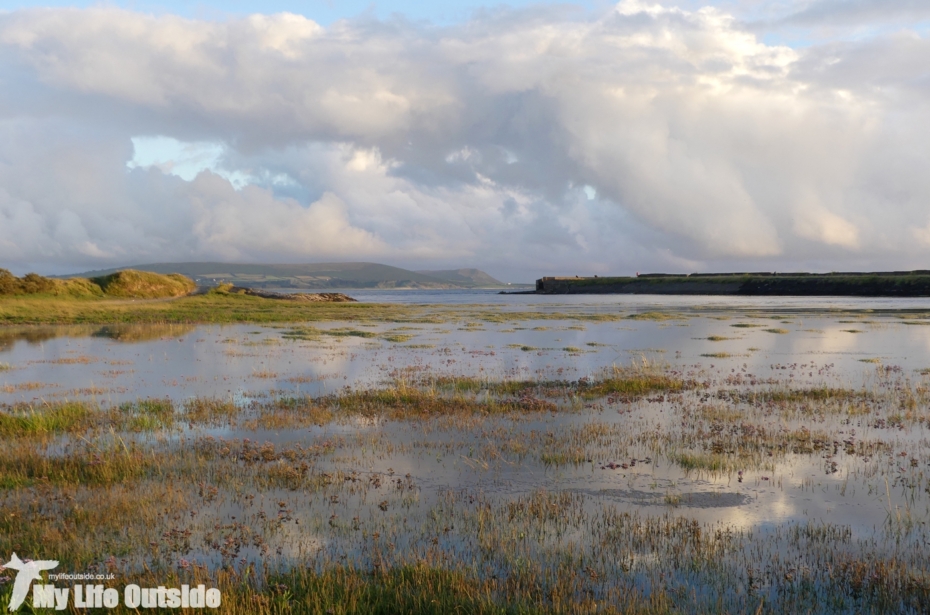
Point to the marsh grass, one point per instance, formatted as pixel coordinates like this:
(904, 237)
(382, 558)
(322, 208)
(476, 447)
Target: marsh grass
(422, 587)
(289, 413)
(220, 308)
(656, 316)
(406, 402)
(77, 519)
(617, 381)
(323, 523)
(210, 308)
(794, 394)
(397, 337)
(632, 381)
(47, 419)
(81, 417)
(24, 464)
(591, 442)
(316, 334)
(264, 373)
(209, 411)
(713, 463)
(345, 332)
(149, 414)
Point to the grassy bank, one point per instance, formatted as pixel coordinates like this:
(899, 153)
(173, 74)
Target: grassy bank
(198, 309)
(127, 284)
(232, 308)
(237, 308)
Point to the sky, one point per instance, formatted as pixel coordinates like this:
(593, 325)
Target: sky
(525, 139)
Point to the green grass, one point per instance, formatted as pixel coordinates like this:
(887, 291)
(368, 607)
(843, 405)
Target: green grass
(404, 402)
(34, 284)
(632, 382)
(149, 414)
(45, 420)
(220, 308)
(707, 462)
(23, 464)
(397, 338)
(199, 309)
(656, 316)
(144, 285)
(126, 284)
(348, 333)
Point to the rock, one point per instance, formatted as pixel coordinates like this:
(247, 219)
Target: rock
(305, 297)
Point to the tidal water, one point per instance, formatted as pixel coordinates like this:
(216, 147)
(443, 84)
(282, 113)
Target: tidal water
(800, 343)
(126, 362)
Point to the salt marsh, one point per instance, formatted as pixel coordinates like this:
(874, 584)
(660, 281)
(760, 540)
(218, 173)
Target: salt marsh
(593, 457)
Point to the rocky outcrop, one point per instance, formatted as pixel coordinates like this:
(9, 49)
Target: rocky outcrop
(305, 297)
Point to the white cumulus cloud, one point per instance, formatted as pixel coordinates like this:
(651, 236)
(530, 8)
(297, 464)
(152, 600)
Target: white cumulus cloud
(526, 142)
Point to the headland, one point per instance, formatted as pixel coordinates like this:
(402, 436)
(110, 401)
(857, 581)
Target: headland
(848, 284)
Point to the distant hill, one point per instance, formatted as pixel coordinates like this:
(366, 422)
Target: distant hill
(465, 277)
(316, 275)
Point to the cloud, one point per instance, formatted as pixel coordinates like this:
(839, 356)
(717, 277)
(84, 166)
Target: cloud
(526, 142)
(863, 13)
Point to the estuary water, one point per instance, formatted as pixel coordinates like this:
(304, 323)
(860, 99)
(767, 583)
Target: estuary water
(518, 298)
(849, 460)
(759, 334)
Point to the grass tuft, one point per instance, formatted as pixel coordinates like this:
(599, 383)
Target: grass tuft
(49, 419)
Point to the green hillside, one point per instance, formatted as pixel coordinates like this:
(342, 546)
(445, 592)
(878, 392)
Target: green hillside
(316, 275)
(465, 277)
